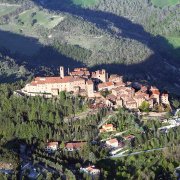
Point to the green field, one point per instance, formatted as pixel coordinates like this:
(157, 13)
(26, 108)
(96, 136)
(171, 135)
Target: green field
(175, 41)
(85, 3)
(163, 3)
(42, 18)
(6, 9)
(26, 24)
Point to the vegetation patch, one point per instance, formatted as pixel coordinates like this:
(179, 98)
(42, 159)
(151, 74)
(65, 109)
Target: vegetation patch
(175, 41)
(163, 3)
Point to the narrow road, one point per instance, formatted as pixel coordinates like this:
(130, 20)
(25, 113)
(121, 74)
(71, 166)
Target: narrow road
(80, 115)
(135, 153)
(106, 119)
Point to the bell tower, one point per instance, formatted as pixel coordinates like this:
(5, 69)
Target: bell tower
(61, 71)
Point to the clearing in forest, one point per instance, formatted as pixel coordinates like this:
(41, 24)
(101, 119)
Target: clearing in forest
(85, 3)
(6, 9)
(38, 17)
(163, 3)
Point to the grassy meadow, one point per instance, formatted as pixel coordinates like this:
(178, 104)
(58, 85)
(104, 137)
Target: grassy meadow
(85, 3)
(163, 3)
(6, 9)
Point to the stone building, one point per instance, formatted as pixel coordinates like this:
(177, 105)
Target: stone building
(105, 86)
(90, 88)
(115, 78)
(101, 75)
(54, 85)
(164, 98)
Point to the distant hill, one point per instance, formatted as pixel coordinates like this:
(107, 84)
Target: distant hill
(130, 37)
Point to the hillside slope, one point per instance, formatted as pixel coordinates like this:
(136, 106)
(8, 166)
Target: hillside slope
(130, 37)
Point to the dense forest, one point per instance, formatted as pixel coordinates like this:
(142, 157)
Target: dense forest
(135, 38)
(34, 120)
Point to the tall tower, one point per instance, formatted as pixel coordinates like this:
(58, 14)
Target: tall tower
(61, 71)
(90, 88)
(103, 76)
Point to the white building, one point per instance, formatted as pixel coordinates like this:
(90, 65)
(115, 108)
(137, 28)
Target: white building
(112, 143)
(90, 170)
(52, 146)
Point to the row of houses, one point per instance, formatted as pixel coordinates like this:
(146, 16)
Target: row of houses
(73, 146)
(69, 146)
(130, 98)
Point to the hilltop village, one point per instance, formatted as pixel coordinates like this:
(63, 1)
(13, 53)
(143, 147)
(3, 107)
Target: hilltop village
(85, 118)
(107, 90)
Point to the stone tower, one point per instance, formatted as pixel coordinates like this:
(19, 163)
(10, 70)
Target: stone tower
(103, 75)
(90, 88)
(61, 71)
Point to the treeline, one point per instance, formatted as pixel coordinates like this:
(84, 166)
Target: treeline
(73, 51)
(96, 45)
(28, 117)
(34, 120)
(11, 71)
(156, 165)
(25, 5)
(163, 21)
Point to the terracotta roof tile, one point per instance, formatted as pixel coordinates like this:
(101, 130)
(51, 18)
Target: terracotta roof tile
(74, 145)
(108, 125)
(53, 80)
(111, 141)
(52, 144)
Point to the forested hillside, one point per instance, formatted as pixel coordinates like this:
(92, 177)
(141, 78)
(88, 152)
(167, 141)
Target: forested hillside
(136, 38)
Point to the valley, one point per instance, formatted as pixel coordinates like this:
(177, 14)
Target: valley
(89, 89)
(116, 35)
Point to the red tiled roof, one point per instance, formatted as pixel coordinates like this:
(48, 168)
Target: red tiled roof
(129, 137)
(108, 125)
(119, 84)
(130, 101)
(89, 82)
(111, 97)
(140, 95)
(111, 141)
(123, 96)
(155, 92)
(74, 145)
(80, 73)
(106, 84)
(80, 69)
(52, 80)
(50, 144)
